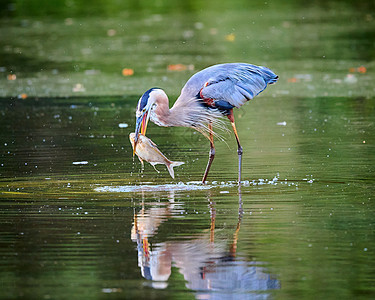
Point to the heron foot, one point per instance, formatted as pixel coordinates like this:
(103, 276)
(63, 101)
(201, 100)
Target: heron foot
(239, 150)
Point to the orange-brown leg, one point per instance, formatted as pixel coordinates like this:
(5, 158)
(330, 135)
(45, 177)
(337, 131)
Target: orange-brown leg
(211, 154)
(239, 149)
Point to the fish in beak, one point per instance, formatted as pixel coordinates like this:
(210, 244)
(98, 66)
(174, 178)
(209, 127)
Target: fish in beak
(148, 151)
(141, 126)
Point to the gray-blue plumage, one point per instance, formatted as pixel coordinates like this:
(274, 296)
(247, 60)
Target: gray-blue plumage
(234, 83)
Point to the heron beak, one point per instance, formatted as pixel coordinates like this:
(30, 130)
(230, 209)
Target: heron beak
(140, 127)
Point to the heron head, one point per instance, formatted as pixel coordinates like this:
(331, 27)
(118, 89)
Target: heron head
(144, 109)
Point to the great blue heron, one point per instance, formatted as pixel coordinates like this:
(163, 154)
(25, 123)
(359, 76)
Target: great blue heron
(206, 97)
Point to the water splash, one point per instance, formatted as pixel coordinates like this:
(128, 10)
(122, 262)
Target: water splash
(189, 186)
(197, 185)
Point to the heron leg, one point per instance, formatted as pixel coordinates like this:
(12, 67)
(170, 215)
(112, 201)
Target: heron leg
(239, 149)
(211, 154)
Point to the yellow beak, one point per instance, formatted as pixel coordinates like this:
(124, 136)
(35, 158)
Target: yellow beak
(140, 128)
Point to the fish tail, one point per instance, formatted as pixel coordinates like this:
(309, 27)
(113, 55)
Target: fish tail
(173, 164)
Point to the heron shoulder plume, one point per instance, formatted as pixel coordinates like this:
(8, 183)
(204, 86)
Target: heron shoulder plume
(186, 112)
(191, 113)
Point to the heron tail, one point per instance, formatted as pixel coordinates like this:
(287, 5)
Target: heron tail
(268, 76)
(173, 164)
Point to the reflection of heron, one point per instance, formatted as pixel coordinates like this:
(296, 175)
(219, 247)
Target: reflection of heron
(207, 263)
(207, 96)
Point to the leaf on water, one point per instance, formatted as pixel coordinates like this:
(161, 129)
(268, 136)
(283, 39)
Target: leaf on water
(292, 79)
(22, 96)
(111, 32)
(360, 69)
(180, 67)
(127, 72)
(11, 77)
(230, 37)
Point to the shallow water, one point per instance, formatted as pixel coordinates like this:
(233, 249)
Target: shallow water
(80, 217)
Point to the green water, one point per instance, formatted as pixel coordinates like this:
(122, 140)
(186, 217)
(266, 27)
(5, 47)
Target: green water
(79, 219)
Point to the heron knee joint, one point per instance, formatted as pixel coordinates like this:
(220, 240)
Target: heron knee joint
(212, 152)
(239, 151)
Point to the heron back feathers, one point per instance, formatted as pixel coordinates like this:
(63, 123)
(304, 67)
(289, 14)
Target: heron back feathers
(234, 83)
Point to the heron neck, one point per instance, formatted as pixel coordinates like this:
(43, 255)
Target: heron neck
(176, 116)
(161, 114)
(185, 113)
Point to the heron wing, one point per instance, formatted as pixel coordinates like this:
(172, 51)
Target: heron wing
(234, 83)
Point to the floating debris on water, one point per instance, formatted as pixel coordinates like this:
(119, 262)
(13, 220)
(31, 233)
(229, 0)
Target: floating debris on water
(213, 31)
(84, 162)
(68, 21)
(92, 72)
(350, 78)
(360, 69)
(180, 67)
(281, 123)
(111, 32)
(127, 72)
(111, 290)
(78, 88)
(22, 96)
(230, 37)
(12, 77)
(123, 125)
